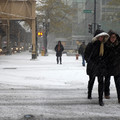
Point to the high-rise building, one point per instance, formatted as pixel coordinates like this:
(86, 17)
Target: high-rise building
(79, 16)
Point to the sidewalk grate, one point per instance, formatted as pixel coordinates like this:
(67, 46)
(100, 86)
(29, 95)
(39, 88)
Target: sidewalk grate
(10, 68)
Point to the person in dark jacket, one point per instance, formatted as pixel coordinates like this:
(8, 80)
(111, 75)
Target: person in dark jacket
(59, 49)
(107, 78)
(113, 62)
(81, 52)
(95, 56)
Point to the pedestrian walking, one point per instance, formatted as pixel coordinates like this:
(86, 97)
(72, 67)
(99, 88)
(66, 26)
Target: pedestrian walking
(81, 52)
(95, 56)
(59, 49)
(113, 63)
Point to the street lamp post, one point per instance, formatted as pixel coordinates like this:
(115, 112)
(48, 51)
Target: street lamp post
(94, 16)
(46, 29)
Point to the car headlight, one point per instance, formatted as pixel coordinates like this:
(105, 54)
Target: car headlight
(0, 50)
(16, 48)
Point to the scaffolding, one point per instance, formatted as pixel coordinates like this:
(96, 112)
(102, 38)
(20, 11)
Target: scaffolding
(19, 10)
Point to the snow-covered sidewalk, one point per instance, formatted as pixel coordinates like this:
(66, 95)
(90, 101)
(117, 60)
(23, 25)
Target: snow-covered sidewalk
(18, 70)
(50, 91)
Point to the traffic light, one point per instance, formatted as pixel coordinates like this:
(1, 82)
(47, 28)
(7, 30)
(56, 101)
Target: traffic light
(40, 34)
(90, 28)
(98, 26)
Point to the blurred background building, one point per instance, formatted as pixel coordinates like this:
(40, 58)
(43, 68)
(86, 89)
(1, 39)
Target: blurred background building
(107, 18)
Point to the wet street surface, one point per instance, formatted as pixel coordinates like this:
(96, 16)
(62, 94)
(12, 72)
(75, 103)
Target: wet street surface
(54, 104)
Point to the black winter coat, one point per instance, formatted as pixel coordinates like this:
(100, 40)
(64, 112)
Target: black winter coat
(113, 61)
(96, 65)
(82, 49)
(59, 53)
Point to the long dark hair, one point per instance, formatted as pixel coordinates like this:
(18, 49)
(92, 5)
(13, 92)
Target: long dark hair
(59, 42)
(111, 32)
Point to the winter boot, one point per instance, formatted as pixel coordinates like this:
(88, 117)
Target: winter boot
(101, 103)
(89, 94)
(107, 97)
(89, 97)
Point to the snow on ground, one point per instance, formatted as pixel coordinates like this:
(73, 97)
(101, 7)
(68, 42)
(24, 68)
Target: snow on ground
(20, 71)
(43, 72)
(42, 87)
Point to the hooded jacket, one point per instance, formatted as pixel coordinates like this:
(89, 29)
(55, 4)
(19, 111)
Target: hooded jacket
(113, 59)
(59, 49)
(96, 64)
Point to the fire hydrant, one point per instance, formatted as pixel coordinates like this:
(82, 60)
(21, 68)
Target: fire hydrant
(42, 53)
(77, 56)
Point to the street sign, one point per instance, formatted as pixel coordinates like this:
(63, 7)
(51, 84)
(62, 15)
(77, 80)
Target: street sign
(87, 11)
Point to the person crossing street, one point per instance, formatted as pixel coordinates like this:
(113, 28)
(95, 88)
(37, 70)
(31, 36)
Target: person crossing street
(95, 56)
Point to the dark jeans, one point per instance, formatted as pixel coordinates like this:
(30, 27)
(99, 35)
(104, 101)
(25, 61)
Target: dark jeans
(59, 58)
(83, 60)
(107, 86)
(117, 84)
(100, 86)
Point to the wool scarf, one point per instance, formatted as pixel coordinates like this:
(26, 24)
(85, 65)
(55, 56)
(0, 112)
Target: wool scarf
(101, 49)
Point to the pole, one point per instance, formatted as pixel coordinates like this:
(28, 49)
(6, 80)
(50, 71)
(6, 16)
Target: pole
(19, 41)
(8, 38)
(34, 55)
(46, 38)
(36, 36)
(94, 16)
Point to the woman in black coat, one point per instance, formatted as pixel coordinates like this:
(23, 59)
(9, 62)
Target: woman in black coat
(113, 62)
(59, 49)
(95, 56)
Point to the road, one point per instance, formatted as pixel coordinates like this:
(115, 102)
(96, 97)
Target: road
(42, 96)
(54, 104)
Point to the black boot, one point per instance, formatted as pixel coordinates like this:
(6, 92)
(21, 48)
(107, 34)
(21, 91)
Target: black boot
(89, 96)
(101, 103)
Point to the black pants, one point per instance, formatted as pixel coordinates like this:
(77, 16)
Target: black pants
(90, 85)
(107, 86)
(117, 84)
(100, 86)
(59, 58)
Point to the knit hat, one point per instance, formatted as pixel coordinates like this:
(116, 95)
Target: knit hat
(99, 33)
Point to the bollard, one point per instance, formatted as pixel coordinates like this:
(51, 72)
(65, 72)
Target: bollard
(42, 53)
